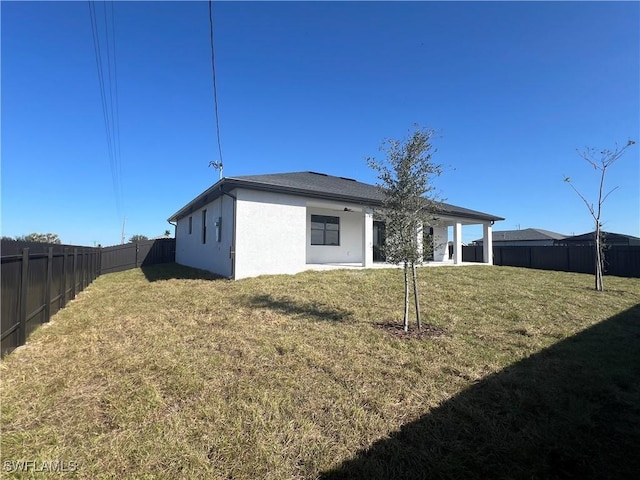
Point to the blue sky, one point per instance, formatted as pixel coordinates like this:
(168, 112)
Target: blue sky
(514, 89)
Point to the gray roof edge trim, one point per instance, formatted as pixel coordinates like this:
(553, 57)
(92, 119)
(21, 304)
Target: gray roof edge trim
(470, 216)
(235, 182)
(212, 189)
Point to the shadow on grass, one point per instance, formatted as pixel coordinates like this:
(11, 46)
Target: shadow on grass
(168, 271)
(291, 307)
(570, 411)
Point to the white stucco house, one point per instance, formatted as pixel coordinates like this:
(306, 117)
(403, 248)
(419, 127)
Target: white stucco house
(290, 222)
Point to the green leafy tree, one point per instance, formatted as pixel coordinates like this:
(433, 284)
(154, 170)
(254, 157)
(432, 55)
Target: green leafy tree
(405, 176)
(138, 238)
(40, 238)
(600, 160)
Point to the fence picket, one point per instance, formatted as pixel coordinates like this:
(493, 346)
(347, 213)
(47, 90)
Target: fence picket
(47, 290)
(24, 283)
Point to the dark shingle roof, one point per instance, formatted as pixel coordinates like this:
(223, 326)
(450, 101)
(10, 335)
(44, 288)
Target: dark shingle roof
(525, 235)
(610, 238)
(312, 184)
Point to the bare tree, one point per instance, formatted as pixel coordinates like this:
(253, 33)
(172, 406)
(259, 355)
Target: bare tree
(600, 160)
(409, 203)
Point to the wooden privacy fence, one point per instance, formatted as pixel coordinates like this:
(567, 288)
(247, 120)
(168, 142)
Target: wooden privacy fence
(140, 254)
(620, 260)
(39, 279)
(36, 285)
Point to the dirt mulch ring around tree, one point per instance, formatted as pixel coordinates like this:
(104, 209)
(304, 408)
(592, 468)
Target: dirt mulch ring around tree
(397, 330)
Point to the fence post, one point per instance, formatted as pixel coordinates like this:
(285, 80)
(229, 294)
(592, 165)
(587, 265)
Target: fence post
(47, 289)
(73, 273)
(65, 253)
(93, 265)
(83, 268)
(24, 284)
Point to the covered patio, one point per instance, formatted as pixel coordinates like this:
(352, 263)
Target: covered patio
(341, 235)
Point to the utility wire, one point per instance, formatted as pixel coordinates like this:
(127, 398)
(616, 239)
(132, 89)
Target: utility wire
(110, 83)
(110, 124)
(215, 89)
(115, 78)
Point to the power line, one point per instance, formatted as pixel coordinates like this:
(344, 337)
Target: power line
(215, 89)
(113, 124)
(115, 78)
(111, 121)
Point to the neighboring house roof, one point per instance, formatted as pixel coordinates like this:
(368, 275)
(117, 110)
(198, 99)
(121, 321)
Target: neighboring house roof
(525, 235)
(312, 184)
(609, 238)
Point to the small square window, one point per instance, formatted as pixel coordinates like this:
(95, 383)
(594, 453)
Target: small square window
(325, 230)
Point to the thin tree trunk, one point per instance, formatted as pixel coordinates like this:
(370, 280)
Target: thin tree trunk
(405, 320)
(599, 281)
(415, 295)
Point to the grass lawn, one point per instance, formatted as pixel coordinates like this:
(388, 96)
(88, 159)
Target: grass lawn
(165, 373)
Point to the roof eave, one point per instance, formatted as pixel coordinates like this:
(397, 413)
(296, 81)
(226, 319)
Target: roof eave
(228, 184)
(204, 197)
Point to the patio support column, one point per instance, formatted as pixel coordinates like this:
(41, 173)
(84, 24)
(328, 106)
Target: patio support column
(367, 237)
(487, 244)
(457, 243)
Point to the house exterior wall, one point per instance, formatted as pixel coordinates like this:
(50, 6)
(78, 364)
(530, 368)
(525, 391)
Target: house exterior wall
(351, 238)
(213, 255)
(440, 244)
(270, 233)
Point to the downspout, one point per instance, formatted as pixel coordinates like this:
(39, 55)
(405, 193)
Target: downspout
(175, 237)
(232, 250)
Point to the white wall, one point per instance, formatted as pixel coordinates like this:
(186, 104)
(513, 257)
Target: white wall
(350, 248)
(212, 255)
(440, 246)
(270, 233)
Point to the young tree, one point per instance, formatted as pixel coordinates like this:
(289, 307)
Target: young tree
(409, 203)
(601, 161)
(138, 238)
